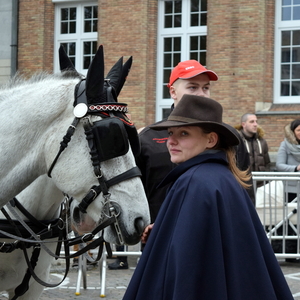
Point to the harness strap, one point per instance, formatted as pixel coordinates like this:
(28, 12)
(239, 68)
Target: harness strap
(15, 203)
(46, 232)
(96, 190)
(89, 236)
(64, 143)
(24, 286)
(36, 278)
(131, 173)
(94, 157)
(69, 242)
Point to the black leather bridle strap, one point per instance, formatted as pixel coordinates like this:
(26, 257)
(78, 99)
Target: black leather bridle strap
(31, 268)
(89, 236)
(64, 143)
(89, 198)
(23, 287)
(96, 190)
(133, 172)
(15, 203)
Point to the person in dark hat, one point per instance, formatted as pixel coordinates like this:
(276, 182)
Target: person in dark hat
(207, 242)
(188, 77)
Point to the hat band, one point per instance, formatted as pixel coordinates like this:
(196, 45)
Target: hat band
(190, 120)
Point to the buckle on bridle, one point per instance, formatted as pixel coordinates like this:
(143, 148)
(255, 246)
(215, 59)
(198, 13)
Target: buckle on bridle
(3, 243)
(87, 237)
(95, 194)
(115, 215)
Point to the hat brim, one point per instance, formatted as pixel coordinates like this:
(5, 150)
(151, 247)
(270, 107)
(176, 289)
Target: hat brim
(212, 75)
(225, 130)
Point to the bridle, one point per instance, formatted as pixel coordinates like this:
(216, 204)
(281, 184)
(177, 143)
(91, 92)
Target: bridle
(103, 96)
(112, 112)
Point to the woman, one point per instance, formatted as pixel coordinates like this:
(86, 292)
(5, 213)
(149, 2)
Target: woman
(207, 242)
(288, 160)
(288, 156)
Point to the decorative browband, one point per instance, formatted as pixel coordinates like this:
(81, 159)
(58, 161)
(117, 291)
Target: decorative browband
(121, 107)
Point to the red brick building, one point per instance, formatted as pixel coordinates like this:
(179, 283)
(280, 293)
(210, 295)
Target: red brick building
(254, 47)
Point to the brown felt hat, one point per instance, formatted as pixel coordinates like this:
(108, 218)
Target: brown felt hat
(200, 111)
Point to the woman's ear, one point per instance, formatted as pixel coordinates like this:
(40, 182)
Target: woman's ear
(212, 140)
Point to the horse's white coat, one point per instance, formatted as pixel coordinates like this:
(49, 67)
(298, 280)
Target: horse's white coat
(42, 199)
(34, 118)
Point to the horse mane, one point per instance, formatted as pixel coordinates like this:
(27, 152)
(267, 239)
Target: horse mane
(19, 79)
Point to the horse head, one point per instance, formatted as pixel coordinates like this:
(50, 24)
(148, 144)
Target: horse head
(112, 187)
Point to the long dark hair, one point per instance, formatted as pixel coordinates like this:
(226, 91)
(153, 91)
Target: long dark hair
(241, 176)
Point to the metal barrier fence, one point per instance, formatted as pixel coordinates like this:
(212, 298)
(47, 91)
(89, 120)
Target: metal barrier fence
(82, 267)
(278, 214)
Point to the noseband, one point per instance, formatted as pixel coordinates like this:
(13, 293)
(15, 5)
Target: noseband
(83, 110)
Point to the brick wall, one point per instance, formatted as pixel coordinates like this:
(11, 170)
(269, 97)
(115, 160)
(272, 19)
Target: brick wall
(36, 26)
(241, 51)
(128, 28)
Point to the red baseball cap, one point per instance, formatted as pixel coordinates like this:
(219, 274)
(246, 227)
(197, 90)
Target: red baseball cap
(189, 69)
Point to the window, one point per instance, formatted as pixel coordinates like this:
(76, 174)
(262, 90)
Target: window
(76, 30)
(287, 52)
(182, 29)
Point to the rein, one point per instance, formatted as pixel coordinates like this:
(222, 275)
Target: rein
(26, 229)
(37, 231)
(41, 238)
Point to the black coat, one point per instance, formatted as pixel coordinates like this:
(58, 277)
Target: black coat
(207, 242)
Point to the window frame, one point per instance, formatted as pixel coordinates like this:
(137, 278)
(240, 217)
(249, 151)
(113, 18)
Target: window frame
(78, 38)
(184, 32)
(279, 27)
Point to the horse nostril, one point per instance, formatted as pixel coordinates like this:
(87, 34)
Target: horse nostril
(139, 225)
(76, 214)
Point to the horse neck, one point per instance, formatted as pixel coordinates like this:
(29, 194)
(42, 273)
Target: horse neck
(28, 115)
(41, 198)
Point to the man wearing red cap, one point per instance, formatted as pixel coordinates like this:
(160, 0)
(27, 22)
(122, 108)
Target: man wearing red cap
(188, 77)
(196, 80)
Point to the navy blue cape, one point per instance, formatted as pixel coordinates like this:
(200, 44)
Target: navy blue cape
(207, 242)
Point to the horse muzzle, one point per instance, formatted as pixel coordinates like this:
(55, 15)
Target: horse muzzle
(81, 222)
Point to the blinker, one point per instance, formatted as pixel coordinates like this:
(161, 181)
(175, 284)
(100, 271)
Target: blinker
(110, 138)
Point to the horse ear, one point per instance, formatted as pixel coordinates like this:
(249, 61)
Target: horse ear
(64, 61)
(114, 73)
(124, 74)
(95, 77)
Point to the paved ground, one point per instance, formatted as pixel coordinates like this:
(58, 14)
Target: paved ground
(117, 281)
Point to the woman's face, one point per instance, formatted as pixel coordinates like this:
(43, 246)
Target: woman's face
(188, 141)
(297, 133)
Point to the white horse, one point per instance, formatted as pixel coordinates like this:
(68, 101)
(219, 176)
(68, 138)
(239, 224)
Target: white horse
(35, 116)
(42, 199)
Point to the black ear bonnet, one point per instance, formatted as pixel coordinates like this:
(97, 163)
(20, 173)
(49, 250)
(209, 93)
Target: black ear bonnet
(99, 94)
